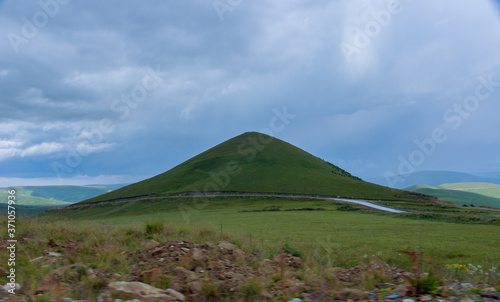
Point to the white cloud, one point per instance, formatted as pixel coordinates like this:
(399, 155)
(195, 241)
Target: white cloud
(6, 144)
(42, 149)
(86, 148)
(7, 153)
(11, 149)
(117, 78)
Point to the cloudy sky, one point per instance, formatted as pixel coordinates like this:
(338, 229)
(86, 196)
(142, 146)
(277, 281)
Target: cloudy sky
(116, 91)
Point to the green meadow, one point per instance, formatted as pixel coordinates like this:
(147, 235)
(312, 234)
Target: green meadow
(331, 232)
(324, 233)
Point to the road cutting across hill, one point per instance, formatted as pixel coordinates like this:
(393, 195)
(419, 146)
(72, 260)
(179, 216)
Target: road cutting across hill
(368, 204)
(356, 201)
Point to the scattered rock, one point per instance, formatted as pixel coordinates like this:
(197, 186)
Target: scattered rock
(295, 300)
(50, 284)
(151, 274)
(193, 259)
(53, 254)
(139, 290)
(402, 289)
(9, 286)
(315, 297)
(196, 287)
(466, 285)
(290, 260)
(267, 266)
(350, 293)
(185, 275)
(198, 255)
(294, 262)
(239, 256)
(211, 246)
(394, 296)
(235, 276)
(191, 267)
(199, 270)
(454, 287)
(151, 244)
(489, 296)
(175, 294)
(228, 246)
(490, 290)
(266, 295)
(386, 285)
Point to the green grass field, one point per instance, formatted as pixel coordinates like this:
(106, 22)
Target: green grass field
(325, 234)
(478, 194)
(336, 237)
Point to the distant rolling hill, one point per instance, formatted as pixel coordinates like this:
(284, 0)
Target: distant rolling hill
(24, 197)
(435, 178)
(476, 193)
(22, 211)
(53, 195)
(255, 162)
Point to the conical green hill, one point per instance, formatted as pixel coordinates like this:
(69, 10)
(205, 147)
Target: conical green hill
(255, 162)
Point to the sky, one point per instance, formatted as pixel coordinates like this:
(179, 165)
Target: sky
(102, 92)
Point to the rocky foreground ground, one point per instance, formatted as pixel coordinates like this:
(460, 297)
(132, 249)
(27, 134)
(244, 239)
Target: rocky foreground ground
(184, 271)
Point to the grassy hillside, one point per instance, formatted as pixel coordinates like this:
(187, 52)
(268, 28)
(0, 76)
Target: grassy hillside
(53, 195)
(254, 162)
(483, 188)
(478, 194)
